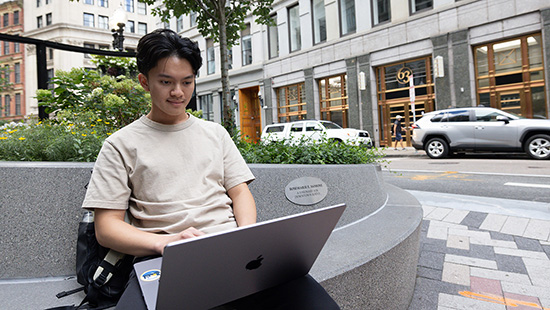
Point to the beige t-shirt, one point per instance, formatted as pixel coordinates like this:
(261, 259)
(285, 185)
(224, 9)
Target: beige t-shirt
(171, 177)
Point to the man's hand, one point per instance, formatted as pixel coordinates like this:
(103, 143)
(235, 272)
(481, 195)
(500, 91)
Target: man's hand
(190, 232)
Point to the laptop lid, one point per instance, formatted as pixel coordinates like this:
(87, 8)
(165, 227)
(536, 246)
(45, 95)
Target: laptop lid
(208, 271)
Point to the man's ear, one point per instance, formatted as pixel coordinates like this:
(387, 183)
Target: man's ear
(143, 81)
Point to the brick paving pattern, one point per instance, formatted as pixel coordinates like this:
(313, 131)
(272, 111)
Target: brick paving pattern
(474, 260)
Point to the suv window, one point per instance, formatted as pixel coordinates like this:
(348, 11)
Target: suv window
(437, 118)
(275, 129)
(313, 127)
(458, 116)
(297, 127)
(488, 115)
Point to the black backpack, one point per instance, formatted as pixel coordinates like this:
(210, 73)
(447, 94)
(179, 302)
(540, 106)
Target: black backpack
(102, 272)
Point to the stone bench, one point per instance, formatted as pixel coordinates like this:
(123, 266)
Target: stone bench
(369, 262)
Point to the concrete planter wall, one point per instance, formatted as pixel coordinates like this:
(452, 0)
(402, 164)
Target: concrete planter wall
(40, 210)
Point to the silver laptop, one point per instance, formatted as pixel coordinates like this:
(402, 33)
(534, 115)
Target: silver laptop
(211, 270)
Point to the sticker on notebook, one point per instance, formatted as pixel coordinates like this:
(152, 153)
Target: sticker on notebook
(150, 275)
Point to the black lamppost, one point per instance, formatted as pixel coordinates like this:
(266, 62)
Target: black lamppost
(118, 22)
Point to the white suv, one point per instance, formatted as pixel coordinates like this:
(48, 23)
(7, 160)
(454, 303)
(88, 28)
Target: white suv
(442, 132)
(315, 130)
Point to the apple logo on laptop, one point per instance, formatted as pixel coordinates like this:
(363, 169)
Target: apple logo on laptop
(255, 264)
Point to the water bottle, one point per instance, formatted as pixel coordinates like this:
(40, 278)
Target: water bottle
(88, 217)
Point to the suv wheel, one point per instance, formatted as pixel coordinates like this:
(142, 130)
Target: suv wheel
(437, 148)
(538, 146)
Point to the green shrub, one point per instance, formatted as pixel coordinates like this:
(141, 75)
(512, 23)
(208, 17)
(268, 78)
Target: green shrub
(307, 152)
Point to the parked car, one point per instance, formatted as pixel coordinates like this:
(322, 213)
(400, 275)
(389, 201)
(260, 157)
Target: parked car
(440, 133)
(315, 130)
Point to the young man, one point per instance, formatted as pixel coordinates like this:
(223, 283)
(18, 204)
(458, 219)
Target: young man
(178, 176)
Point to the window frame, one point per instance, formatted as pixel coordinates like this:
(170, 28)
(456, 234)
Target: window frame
(375, 13)
(273, 30)
(341, 19)
(298, 30)
(314, 18)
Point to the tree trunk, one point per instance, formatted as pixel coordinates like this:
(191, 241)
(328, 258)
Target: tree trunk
(228, 121)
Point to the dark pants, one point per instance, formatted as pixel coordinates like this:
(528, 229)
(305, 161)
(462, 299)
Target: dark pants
(303, 293)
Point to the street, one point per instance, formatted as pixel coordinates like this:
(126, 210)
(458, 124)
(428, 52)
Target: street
(497, 176)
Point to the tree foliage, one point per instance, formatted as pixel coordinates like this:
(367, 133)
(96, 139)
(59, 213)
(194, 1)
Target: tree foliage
(222, 21)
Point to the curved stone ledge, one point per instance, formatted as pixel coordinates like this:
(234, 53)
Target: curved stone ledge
(369, 261)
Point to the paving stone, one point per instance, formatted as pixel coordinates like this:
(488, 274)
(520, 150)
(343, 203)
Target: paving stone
(435, 245)
(528, 244)
(437, 231)
(515, 225)
(520, 253)
(537, 229)
(486, 286)
(474, 219)
(494, 243)
(493, 222)
(543, 293)
(429, 273)
(523, 302)
(470, 261)
(458, 242)
(546, 249)
(495, 235)
(438, 214)
(456, 273)
(431, 260)
(465, 303)
(456, 216)
(500, 275)
(481, 251)
(510, 263)
(425, 295)
(427, 210)
(538, 270)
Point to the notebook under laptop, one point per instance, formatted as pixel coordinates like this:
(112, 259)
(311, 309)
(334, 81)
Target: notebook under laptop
(211, 270)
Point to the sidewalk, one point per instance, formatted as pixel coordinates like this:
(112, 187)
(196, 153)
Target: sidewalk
(407, 152)
(478, 260)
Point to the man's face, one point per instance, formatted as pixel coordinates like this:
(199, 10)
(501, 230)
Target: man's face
(171, 84)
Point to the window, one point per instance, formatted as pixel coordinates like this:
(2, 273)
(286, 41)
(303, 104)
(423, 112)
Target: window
(273, 38)
(294, 28)
(18, 104)
(142, 8)
(17, 72)
(103, 22)
(38, 3)
(246, 45)
(6, 47)
(319, 21)
(89, 2)
(298, 127)
(129, 6)
(420, 5)
(210, 57)
(89, 20)
(50, 74)
(291, 103)
(16, 47)
(229, 58)
(48, 2)
(193, 19)
(7, 105)
(103, 3)
(50, 53)
(39, 22)
(48, 19)
(179, 24)
(333, 99)
(380, 11)
(142, 28)
(347, 16)
(6, 20)
(207, 106)
(16, 18)
(88, 45)
(130, 26)
(7, 73)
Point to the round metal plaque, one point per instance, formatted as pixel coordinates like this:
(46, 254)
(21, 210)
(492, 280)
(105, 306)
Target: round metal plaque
(306, 191)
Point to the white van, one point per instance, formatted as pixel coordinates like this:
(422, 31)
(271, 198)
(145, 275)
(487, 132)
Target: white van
(315, 130)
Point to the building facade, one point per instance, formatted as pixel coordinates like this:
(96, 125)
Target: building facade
(361, 63)
(85, 23)
(12, 63)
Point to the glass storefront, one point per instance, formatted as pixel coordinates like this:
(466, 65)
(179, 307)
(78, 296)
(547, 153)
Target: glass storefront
(394, 95)
(333, 99)
(291, 105)
(510, 76)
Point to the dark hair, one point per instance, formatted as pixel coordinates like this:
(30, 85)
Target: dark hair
(163, 43)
